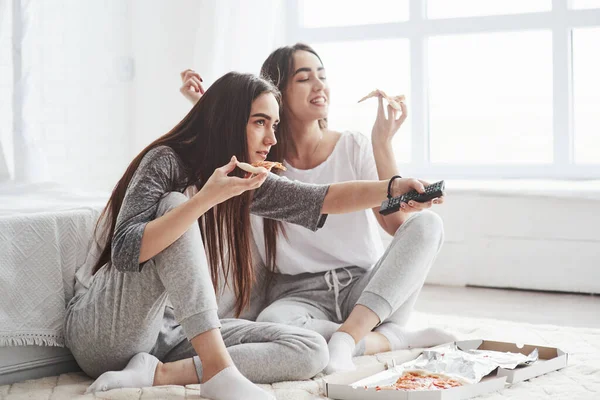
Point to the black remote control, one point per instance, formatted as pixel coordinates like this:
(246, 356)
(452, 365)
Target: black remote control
(432, 191)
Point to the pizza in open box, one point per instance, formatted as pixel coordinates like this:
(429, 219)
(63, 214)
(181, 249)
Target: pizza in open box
(423, 380)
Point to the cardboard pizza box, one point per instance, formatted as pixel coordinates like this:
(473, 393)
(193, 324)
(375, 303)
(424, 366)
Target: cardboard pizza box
(550, 358)
(346, 386)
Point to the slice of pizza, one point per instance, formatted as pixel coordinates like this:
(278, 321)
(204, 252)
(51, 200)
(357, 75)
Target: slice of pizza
(269, 165)
(393, 101)
(255, 168)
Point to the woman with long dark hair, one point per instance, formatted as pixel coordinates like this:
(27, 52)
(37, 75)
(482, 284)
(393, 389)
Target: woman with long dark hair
(175, 231)
(341, 281)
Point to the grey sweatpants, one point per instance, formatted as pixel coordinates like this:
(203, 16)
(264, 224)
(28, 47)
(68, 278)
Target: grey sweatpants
(123, 314)
(322, 301)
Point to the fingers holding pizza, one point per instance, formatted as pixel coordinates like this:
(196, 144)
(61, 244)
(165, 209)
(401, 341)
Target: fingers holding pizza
(393, 101)
(259, 167)
(385, 127)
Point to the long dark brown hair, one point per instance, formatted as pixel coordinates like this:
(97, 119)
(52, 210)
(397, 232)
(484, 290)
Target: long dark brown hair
(206, 138)
(279, 68)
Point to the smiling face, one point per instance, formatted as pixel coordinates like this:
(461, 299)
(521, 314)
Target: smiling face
(260, 130)
(307, 92)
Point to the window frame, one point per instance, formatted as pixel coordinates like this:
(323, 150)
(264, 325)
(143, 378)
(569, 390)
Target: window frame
(560, 20)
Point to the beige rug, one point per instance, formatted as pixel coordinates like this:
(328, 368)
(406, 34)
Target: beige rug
(579, 381)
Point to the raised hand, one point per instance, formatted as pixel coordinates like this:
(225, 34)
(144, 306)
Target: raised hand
(191, 87)
(384, 127)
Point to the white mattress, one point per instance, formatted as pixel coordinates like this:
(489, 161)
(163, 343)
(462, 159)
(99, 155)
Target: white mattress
(44, 236)
(45, 197)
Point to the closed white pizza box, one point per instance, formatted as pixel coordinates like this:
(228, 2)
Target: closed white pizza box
(350, 385)
(550, 358)
(340, 386)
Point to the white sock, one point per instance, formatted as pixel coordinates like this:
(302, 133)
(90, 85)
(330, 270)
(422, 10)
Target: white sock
(401, 338)
(139, 372)
(230, 384)
(341, 348)
(360, 348)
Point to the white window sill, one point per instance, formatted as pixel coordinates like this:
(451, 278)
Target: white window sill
(526, 187)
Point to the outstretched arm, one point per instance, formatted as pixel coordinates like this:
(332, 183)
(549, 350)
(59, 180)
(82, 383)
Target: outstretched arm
(308, 204)
(353, 196)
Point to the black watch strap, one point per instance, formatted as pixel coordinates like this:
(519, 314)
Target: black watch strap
(389, 192)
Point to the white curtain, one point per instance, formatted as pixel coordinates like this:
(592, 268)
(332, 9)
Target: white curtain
(211, 36)
(95, 81)
(70, 99)
(30, 163)
(6, 91)
(239, 35)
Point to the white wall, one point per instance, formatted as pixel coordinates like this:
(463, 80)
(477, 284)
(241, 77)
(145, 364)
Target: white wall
(539, 235)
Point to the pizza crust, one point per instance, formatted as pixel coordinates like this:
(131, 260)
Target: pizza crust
(249, 168)
(257, 167)
(269, 165)
(393, 101)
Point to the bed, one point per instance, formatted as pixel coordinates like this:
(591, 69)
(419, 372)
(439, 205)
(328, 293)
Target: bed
(45, 231)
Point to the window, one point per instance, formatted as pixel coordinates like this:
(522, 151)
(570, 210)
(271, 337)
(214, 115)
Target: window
(585, 4)
(495, 88)
(352, 75)
(319, 13)
(490, 98)
(472, 8)
(586, 99)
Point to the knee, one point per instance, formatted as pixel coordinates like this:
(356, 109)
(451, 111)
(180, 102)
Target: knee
(272, 315)
(275, 314)
(95, 364)
(430, 222)
(189, 240)
(425, 226)
(170, 201)
(314, 358)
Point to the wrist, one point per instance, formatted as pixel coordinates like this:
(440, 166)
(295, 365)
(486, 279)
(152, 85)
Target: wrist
(381, 140)
(204, 200)
(393, 188)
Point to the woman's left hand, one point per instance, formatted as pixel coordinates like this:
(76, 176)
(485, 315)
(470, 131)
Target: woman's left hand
(401, 186)
(414, 206)
(384, 127)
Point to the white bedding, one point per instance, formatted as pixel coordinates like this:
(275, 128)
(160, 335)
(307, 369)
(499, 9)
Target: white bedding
(44, 197)
(44, 236)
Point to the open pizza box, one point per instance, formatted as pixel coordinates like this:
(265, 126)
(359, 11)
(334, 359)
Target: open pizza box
(351, 385)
